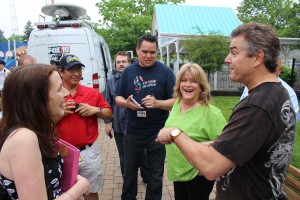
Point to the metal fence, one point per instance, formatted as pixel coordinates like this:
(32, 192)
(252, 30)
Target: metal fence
(220, 81)
(296, 85)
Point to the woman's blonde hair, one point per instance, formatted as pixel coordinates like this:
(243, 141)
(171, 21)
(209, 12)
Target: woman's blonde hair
(197, 72)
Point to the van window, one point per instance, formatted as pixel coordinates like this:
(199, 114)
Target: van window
(104, 59)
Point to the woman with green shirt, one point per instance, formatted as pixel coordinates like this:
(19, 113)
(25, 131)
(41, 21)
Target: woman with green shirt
(194, 114)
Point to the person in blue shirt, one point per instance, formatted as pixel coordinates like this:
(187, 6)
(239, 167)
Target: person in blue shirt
(292, 93)
(151, 84)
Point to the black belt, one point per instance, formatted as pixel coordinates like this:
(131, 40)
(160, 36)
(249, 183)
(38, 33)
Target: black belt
(84, 147)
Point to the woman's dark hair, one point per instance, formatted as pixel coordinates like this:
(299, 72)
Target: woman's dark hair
(25, 104)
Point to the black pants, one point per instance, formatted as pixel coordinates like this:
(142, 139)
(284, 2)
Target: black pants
(134, 146)
(198, 188)
(119, 137)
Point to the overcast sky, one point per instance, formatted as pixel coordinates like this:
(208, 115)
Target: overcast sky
(31, 9)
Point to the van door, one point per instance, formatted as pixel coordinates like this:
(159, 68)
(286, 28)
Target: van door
(50, 43)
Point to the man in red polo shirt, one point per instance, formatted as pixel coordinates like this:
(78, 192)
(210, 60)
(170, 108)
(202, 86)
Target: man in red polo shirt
(79, 126)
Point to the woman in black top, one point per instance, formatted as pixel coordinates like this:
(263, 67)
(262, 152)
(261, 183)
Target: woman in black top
(30, 166)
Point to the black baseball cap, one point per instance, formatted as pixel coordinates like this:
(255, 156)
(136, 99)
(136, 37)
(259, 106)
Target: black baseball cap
(68, 61)
(2, 62)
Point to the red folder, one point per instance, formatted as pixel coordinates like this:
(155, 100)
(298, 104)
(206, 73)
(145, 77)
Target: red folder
(70, 155)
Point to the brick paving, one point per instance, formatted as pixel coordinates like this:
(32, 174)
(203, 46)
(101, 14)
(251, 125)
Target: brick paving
(112, 185)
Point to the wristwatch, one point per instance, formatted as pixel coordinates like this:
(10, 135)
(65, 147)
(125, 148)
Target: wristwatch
(175, 134)
(100, 110)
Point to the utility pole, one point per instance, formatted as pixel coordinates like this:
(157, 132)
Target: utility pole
(13, 19)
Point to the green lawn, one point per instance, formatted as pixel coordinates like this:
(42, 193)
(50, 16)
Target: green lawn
(227, 103)
(296, 152)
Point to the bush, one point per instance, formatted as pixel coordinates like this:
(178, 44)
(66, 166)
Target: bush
(286, 75)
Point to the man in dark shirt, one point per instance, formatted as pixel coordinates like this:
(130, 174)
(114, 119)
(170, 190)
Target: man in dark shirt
(116, 126)
(251, 157)
(151, 84)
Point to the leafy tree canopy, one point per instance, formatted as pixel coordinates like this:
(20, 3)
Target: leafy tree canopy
(280, 14)
(27, 30)
(208, 51)
(15, 37)
(125, 21)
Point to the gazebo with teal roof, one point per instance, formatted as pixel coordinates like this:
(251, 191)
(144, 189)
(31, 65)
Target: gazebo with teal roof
(174, 23)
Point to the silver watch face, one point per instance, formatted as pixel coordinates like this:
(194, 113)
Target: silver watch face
(175, 132)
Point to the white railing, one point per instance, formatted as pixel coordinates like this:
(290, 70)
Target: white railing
(220, 81)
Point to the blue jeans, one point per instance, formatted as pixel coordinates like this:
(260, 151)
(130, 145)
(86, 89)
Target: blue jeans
(134, 146)
(119, 138)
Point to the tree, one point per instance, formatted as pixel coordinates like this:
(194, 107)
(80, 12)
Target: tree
(125, 21)
(293, 29)
(208, 51)
(27, 30)
(280, 14)
(15, 37)
(2, 38)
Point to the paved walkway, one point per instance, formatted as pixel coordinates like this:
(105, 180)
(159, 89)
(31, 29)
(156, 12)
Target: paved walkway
(112, 187)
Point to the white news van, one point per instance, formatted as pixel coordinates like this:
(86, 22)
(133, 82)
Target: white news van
(68, 34)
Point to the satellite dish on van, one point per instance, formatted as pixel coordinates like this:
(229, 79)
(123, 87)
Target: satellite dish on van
(63, 10)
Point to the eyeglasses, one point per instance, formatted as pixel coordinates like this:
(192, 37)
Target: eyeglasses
(122, 62)
(75, 69)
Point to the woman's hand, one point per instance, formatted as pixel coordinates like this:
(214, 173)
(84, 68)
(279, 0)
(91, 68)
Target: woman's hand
(164, 136)
(85, 185)
(78, 190)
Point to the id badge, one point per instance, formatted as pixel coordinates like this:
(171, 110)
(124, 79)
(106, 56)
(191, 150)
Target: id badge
(141, 113)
